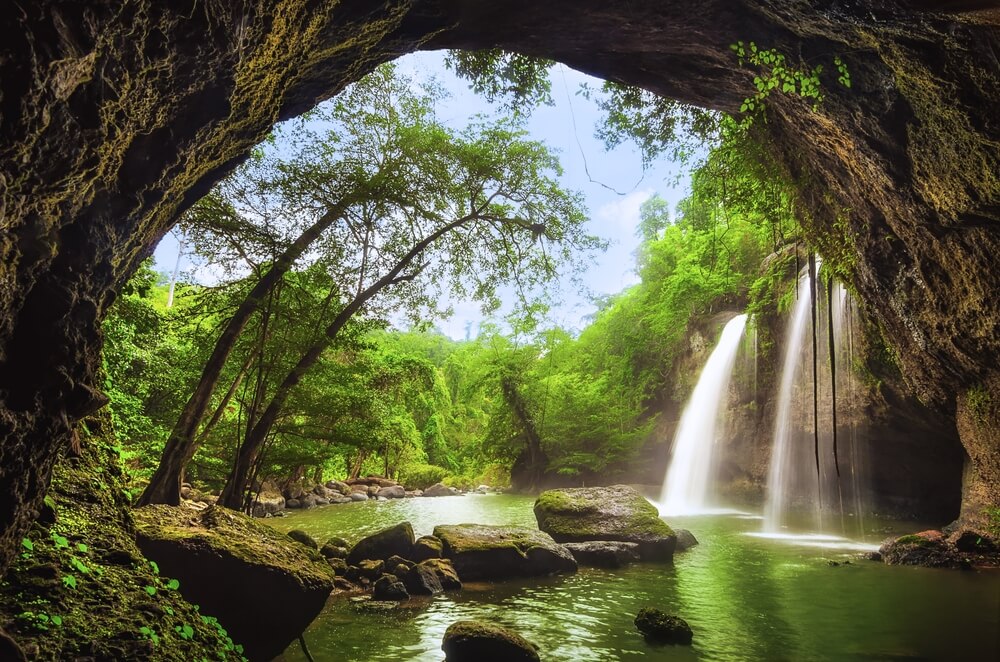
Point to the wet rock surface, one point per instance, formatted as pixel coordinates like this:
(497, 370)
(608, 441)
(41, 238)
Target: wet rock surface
(482, 552)
(479, 641)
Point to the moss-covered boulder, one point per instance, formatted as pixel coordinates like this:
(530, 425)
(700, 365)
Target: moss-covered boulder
(482, 552)
(927, 548)
(80, 588)
(660, 627)
(479, 641)
(394, 541)
(427, 547)
(445, 572)
(617, 513)
(226, 562)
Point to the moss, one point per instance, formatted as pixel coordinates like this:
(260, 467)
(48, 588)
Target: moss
(979, 403)
(81, 588)
(608, 513)
(914, 539)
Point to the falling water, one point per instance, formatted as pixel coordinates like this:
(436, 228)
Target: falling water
(685, 487)
(779, 473)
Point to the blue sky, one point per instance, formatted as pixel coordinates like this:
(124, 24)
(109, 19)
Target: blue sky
(613, 191)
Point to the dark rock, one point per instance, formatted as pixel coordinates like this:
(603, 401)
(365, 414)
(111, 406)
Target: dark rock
(685, 540)
(301, 536)
(617, 513)
(604, 553)
(358, 496)
(422, 580)
(479, 641)
(928, 549)
(331, 551)
(487, 552)
(972, 542)
(439, 489)
(426, 547)
(394, 541)
(345, 584)
(660, 627)
(226, 561)
(391, 492)
(388, 587)
(371, 569)
(339, 565)
(445, 571)
(293, 503)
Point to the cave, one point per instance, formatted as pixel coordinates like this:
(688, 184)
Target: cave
(116, 117)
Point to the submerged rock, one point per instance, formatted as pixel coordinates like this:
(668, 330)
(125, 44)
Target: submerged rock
(685, 540)
(617, 512)
(479, 641)
(604, 553)
(225, 561)
(479, 551)
(395, 541)
(659, 626)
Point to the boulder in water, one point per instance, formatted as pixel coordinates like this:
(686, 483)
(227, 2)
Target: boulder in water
(426, 547)
(479, 641)
(617, 512)
(660, 627)
(445, 571)
(395, 541)
(391, 492)
(440, 489)
(300, 536)
(388, 587)
(685, 540)
(487, 552)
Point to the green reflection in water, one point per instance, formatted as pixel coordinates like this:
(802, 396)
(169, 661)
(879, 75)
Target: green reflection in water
(746, 598)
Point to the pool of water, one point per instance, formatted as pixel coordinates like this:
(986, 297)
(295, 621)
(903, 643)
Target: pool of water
(746, 596)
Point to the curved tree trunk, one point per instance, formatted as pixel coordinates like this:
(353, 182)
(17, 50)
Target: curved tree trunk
(165, 485)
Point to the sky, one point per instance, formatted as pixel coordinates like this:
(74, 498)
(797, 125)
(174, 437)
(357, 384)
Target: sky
(613, 183)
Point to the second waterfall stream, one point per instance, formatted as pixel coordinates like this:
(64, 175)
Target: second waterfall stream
(685, 488)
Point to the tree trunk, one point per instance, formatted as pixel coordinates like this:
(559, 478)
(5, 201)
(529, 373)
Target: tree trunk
(165, 485)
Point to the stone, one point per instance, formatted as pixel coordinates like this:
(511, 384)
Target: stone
(358, 496)
(660, 627)
(617, 513)
(320, 501)
(483, 552)
(394, 561)
(339, 565)
(685, 540)
(394, 541)
(604, 553)
(331, 551)
(225, 561)
(302, 537)
(426, 547)
(480, 641)
(422, 580)
(293, 503)
(440, 489)
(445, 571)
(388, 587)
(391, 492)
(927, 548)
(972, 542)
(319, 490)
(337, 541)
(371, 569)
(338, 486)
(309, 501)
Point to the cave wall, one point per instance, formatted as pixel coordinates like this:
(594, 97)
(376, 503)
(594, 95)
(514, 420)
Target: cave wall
(115, 116)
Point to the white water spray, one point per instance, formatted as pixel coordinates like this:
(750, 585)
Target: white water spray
(685, 488)
(779, 473)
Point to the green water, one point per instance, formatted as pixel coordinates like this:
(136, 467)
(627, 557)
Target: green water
(745, 597)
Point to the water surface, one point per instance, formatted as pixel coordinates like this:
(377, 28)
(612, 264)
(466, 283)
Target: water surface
(746, 597)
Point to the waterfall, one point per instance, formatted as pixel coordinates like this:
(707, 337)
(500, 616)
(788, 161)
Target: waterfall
(685, 487)
(779, 474)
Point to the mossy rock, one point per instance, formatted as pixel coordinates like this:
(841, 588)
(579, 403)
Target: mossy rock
(427, 547)
(482, 552)
(660, 627)
(445, 571)
(304, 538)
(84, 590)
(394, 541)
(226, 561)
(479, 641)
(928, 549)
(616, 513)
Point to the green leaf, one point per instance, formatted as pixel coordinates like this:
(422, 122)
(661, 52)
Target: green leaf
(151, 590)
(173, 584)
(156, 568)
(60, 541)
(69, 581)
(79, 565)
(49, 501)
(82, 548)
(56, 620)
(27, 544)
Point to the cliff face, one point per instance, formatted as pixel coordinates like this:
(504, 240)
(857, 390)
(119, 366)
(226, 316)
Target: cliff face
(114, 118)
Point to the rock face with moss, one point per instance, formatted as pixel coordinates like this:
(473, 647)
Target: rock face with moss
(394, 541)
(231, 565)
(479, 641)
(482, 552)
(81, 588)
(605, 513)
